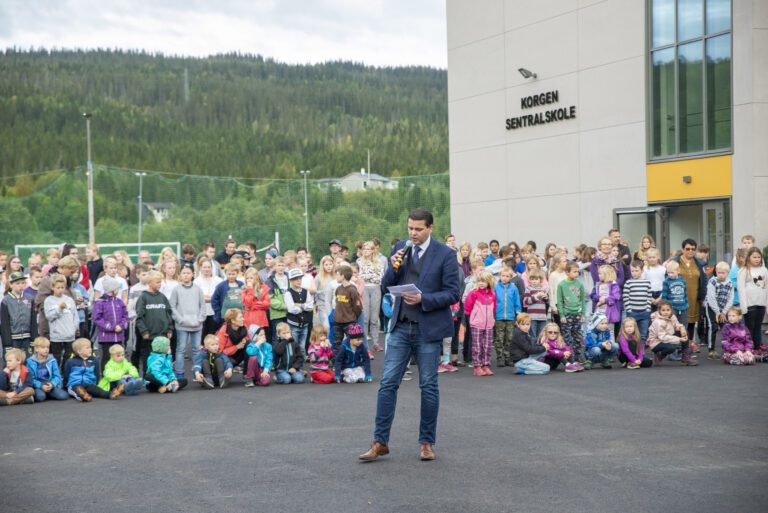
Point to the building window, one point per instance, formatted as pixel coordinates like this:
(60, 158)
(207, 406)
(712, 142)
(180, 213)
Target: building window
(690, 77)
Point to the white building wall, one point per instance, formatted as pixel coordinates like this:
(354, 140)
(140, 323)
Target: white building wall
(559, 181)
(750, 119)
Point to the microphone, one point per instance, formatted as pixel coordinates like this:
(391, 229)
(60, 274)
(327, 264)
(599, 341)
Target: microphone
(408, 245)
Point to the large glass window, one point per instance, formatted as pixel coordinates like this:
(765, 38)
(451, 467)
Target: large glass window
(690, 77)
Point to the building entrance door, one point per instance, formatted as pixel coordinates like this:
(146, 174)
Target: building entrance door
(716, 230)
(634, 223)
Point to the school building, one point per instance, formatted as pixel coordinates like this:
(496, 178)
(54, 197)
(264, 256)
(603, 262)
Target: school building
(568, 117)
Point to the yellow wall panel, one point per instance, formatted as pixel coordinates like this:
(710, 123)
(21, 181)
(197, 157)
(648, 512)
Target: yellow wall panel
(710, 178)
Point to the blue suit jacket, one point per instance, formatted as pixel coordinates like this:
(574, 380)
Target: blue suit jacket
(439, 285)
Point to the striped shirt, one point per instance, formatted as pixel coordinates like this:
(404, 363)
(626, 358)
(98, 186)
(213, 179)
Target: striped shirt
(637, 295)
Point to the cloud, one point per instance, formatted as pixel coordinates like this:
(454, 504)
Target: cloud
(376, 32)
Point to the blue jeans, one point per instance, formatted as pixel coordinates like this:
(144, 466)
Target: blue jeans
(56, 393)
(184, 338)
(532, 365)
(285, 378)
(299, 335)
(536, 328)
(600, 354)
(643, 319)
(404, 341)
(132, 386)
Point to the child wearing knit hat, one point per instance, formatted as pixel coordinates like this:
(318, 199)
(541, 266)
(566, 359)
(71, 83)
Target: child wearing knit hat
(599, 343)
(159, 376)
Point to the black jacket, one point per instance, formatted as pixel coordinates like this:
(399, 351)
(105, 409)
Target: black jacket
(288, 354)
(523, 346)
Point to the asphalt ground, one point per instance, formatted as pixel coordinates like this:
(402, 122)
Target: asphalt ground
(668, 439)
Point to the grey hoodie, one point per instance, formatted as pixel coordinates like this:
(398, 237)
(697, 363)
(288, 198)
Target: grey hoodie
(62, 324)
(188, 307)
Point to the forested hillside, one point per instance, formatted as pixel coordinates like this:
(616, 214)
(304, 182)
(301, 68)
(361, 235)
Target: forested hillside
(243, 116)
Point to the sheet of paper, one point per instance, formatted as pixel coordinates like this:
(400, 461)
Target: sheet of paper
(399, 290)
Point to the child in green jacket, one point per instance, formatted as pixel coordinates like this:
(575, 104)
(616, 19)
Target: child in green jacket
(159, 376)
(118, 371)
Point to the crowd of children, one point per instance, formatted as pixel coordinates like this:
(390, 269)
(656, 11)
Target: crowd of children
(279, 319)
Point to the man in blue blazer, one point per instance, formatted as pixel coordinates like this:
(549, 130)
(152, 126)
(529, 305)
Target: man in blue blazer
(419, 324)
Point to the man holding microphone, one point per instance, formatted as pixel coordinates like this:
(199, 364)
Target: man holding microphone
(419, 323)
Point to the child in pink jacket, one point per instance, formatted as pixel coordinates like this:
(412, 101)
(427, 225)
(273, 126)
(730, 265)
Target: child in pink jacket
(480, 309)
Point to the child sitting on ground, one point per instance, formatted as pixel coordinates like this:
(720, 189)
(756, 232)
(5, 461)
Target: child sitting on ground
(599, 343)
(524, 351)
(631, 345)
(212, 367)
(159, 376)
(119, 371)
(260, 358)
(289, 357)
(352, 362)
(667, 334)
(46, 377)
(82, 372)
(557, 350)
(320, 355)
(736, 340)
(16, 386)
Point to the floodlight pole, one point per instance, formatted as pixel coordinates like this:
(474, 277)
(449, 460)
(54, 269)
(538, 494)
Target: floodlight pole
(141, 203)
(305, 173)
(89, 167)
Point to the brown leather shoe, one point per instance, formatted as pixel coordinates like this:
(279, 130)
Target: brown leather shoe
(426, 453)
(377, 449)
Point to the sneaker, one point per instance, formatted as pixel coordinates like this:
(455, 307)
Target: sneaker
(378, 347)
(696, 348)
(441, 368)
(607, 364)
(458, 363)
(237, 370)
(712, 355)
(407, 377)
(633, 366)
(206, 383)
(250, 384)
(569, 367)
(675, 357)
(478, 372)
(29, 400)
(577, 367)
(371, 356)
(450, 368)
(173, 388)
(471, 365)
(117, 391)
(224, 382)
(488, 371)
(587, 365)
(519, 371)
(81, 394)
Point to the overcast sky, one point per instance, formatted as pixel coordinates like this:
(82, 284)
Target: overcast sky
(376, 32)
